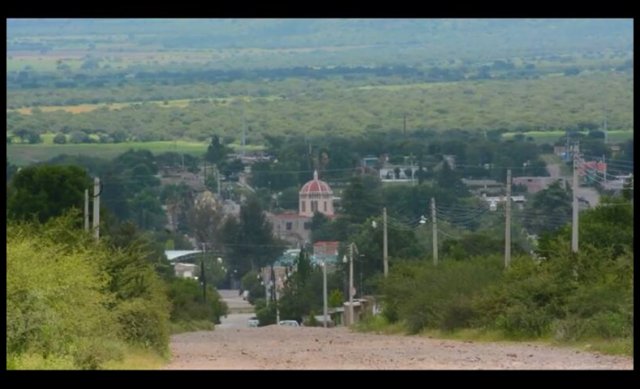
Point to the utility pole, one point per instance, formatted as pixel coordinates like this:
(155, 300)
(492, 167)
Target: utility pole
(266, 288)
(385, 246)
(604, 165)
(507, 223)
(351, 284)
(202, 273)
(244, 126)
(86, 209)
(275, 285)
(434, 224)
(96, 207)
(604, 124)
(324, 292)
(574, 224)
(218, 180)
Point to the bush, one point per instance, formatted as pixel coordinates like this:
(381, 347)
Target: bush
(144, 324)
(60, 139)
(79, 137)
(522, 321)
(186, 302)
(92, 354)
(266, 314)
(459, 314)
(56, 298)
(424, 296)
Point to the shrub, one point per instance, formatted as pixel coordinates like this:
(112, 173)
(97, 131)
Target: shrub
(266, 314)
(186, 302)
(56, 298)
(60, 139)
(423, 295)
(144, 324)
(92, 354)
(459, 314)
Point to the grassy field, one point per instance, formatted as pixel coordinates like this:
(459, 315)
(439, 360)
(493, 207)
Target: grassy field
(21, 155)
(25, 154)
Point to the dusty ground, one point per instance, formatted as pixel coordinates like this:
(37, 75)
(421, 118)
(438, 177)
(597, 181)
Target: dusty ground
(235, 346)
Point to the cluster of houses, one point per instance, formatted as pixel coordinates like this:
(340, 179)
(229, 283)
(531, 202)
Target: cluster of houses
(317, 195)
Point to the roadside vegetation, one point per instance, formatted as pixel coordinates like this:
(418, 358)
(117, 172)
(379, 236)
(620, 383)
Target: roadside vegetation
(583, 300)
(75, 303)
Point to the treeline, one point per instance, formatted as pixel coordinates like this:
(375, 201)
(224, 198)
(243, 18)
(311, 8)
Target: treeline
(499, 68)
(25, 87)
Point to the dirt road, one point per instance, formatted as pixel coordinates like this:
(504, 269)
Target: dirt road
(231, 347)
(235, 346)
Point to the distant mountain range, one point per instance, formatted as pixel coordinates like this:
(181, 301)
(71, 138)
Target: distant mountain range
(451, 35)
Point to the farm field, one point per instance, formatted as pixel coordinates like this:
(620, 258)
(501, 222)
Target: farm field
(22, 155)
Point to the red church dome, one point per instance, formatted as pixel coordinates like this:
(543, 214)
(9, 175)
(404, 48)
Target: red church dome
(316, 186)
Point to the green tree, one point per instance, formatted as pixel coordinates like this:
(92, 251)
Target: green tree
(250, 240)
(60, 139)
(361, 199)
(216, 152)
(46, 191)
(548, 210)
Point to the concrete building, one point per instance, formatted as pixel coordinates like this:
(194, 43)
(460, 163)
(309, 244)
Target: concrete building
(186, 270)
(292, 227)
(314, 196)
(325, 251)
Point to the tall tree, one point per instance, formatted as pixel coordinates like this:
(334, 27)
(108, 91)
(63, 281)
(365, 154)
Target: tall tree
(47, 191)
(216, 152)
(250, 239)
(362, 199)
(548, 210)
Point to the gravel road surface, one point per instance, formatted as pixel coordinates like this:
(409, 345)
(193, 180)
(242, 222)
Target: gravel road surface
(233, 345)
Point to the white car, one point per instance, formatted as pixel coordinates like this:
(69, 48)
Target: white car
(253, 322)
(290, 323)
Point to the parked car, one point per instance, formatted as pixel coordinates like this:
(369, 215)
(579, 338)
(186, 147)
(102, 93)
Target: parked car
(290, 323)
(253, 322)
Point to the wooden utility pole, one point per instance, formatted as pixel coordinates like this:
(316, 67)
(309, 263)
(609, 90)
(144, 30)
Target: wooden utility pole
(574, 221)
(434, 224)
(507, 223)
(218, 181)
(351, 321)
(324, 292)
(86, 209)
(604, 166)
(202, 273)
(385, 252)
(96, 207)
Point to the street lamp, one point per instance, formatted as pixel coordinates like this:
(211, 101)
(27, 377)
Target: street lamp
(264, 283)
(344, 259)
